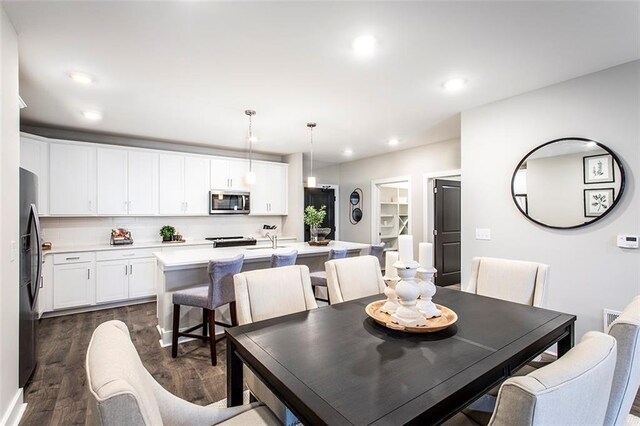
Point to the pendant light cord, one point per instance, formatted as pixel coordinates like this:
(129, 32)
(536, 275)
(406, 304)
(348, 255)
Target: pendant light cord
(250, 145)
(311, 150)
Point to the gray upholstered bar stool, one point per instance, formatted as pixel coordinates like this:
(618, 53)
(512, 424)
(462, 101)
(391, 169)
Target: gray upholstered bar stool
(376, 250)
(319, 278)
(284, 259)
(218, 292)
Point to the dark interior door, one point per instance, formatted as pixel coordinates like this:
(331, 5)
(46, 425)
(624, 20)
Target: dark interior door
(447, 231)
(319, 197)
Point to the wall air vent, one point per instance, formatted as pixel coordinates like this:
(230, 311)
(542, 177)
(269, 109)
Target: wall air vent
(609, 316)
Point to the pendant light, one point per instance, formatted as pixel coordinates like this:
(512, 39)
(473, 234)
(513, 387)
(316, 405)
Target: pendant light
(250, 177)
(311, 180)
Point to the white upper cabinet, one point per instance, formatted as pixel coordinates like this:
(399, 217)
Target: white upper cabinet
(34, 156)
(111, 176)
(229, 174)
(184, 185)
(171, 184)
(196, 189)
(127, 182)
(237, 171)
(72, 179)
(269, 193)
(84, 179)
(143, 183)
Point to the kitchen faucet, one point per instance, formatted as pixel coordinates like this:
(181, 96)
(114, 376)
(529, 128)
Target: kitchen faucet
(274, 240)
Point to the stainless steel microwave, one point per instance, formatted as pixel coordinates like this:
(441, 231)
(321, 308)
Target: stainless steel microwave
(229, 202)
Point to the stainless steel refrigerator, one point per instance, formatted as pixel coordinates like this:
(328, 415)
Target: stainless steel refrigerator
(30, 274)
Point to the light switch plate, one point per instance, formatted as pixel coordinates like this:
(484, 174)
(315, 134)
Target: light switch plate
(627, 241)
(483, 234)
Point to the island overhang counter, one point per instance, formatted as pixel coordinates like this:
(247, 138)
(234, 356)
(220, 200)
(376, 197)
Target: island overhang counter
(182, 269)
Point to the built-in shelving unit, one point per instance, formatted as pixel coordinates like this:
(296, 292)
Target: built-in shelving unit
(393, 208)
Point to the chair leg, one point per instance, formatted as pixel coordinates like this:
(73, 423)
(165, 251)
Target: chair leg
(176, 331)
(204, 325)
(233, 312)
(212, 335)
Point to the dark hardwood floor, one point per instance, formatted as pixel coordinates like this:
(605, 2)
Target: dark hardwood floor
(57, 393)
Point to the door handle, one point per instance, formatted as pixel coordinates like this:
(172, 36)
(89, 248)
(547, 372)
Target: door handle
(73, 258)
(88, 273)
(130, 269)
(125, 269)
(231, 182)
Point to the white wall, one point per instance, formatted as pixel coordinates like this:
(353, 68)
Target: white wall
(588, 271)
(414, 162)
(64, 232)
(10, 395)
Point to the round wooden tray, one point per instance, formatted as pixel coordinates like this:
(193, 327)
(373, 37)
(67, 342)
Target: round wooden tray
(447, 318)
(319, 243)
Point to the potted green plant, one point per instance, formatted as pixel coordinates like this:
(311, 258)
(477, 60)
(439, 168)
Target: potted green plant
(167, 232)
(314, 217)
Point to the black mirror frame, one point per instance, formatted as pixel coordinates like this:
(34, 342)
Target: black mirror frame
(615, 201)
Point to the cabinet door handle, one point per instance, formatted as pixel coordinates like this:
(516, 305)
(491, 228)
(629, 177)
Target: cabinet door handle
(130, 269)
(130, 254)
(186, 206)
(126, 207)
(126, 270)
(73, 258)
(88, 273)
(90, 205)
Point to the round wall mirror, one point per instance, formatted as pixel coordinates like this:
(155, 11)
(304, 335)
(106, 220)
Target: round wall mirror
(354, 198)
(356, 215)
(568, 183)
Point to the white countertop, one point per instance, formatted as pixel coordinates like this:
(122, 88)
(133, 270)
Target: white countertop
(142, 245)
(199, 257)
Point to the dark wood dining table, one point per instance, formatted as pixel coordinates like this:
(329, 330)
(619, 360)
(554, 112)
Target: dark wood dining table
(334, 365)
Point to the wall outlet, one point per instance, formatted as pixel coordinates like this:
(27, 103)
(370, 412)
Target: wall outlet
(483, 234)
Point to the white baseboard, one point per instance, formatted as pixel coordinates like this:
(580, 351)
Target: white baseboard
(15, 411)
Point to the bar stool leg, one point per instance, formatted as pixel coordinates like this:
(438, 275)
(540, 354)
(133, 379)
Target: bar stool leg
(176, 331)
(204, 325)
(212, 335)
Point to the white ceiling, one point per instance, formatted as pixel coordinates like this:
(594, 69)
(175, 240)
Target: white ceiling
(186, 71)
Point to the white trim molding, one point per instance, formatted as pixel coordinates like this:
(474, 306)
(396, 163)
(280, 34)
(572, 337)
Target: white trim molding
(15, 410)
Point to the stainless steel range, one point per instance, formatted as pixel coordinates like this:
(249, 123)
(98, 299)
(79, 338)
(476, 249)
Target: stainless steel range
(232, 241)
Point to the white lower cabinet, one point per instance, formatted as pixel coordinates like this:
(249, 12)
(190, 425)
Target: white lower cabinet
(92, 278)
(112, 281)
(125, 279)
(74, 285)
(142, 278)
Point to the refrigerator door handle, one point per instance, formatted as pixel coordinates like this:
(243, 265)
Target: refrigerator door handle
(35, 221)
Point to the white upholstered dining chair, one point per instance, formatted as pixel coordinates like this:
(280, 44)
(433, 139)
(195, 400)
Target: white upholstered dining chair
(353, 278)
(574, 390)
(626, 380)
(513, 280)
(122, 392)
(268, 293)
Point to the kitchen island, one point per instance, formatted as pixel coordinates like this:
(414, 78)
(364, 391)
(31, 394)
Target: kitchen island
(178, 270)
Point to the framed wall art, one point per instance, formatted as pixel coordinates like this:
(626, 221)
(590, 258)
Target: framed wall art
(598, 169)
(597, 201)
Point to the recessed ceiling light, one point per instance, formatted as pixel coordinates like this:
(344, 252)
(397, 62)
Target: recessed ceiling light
(348, 152)
(364, 45)
(454, 84)
(92, 115)
(80, 77)
(393, 142)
